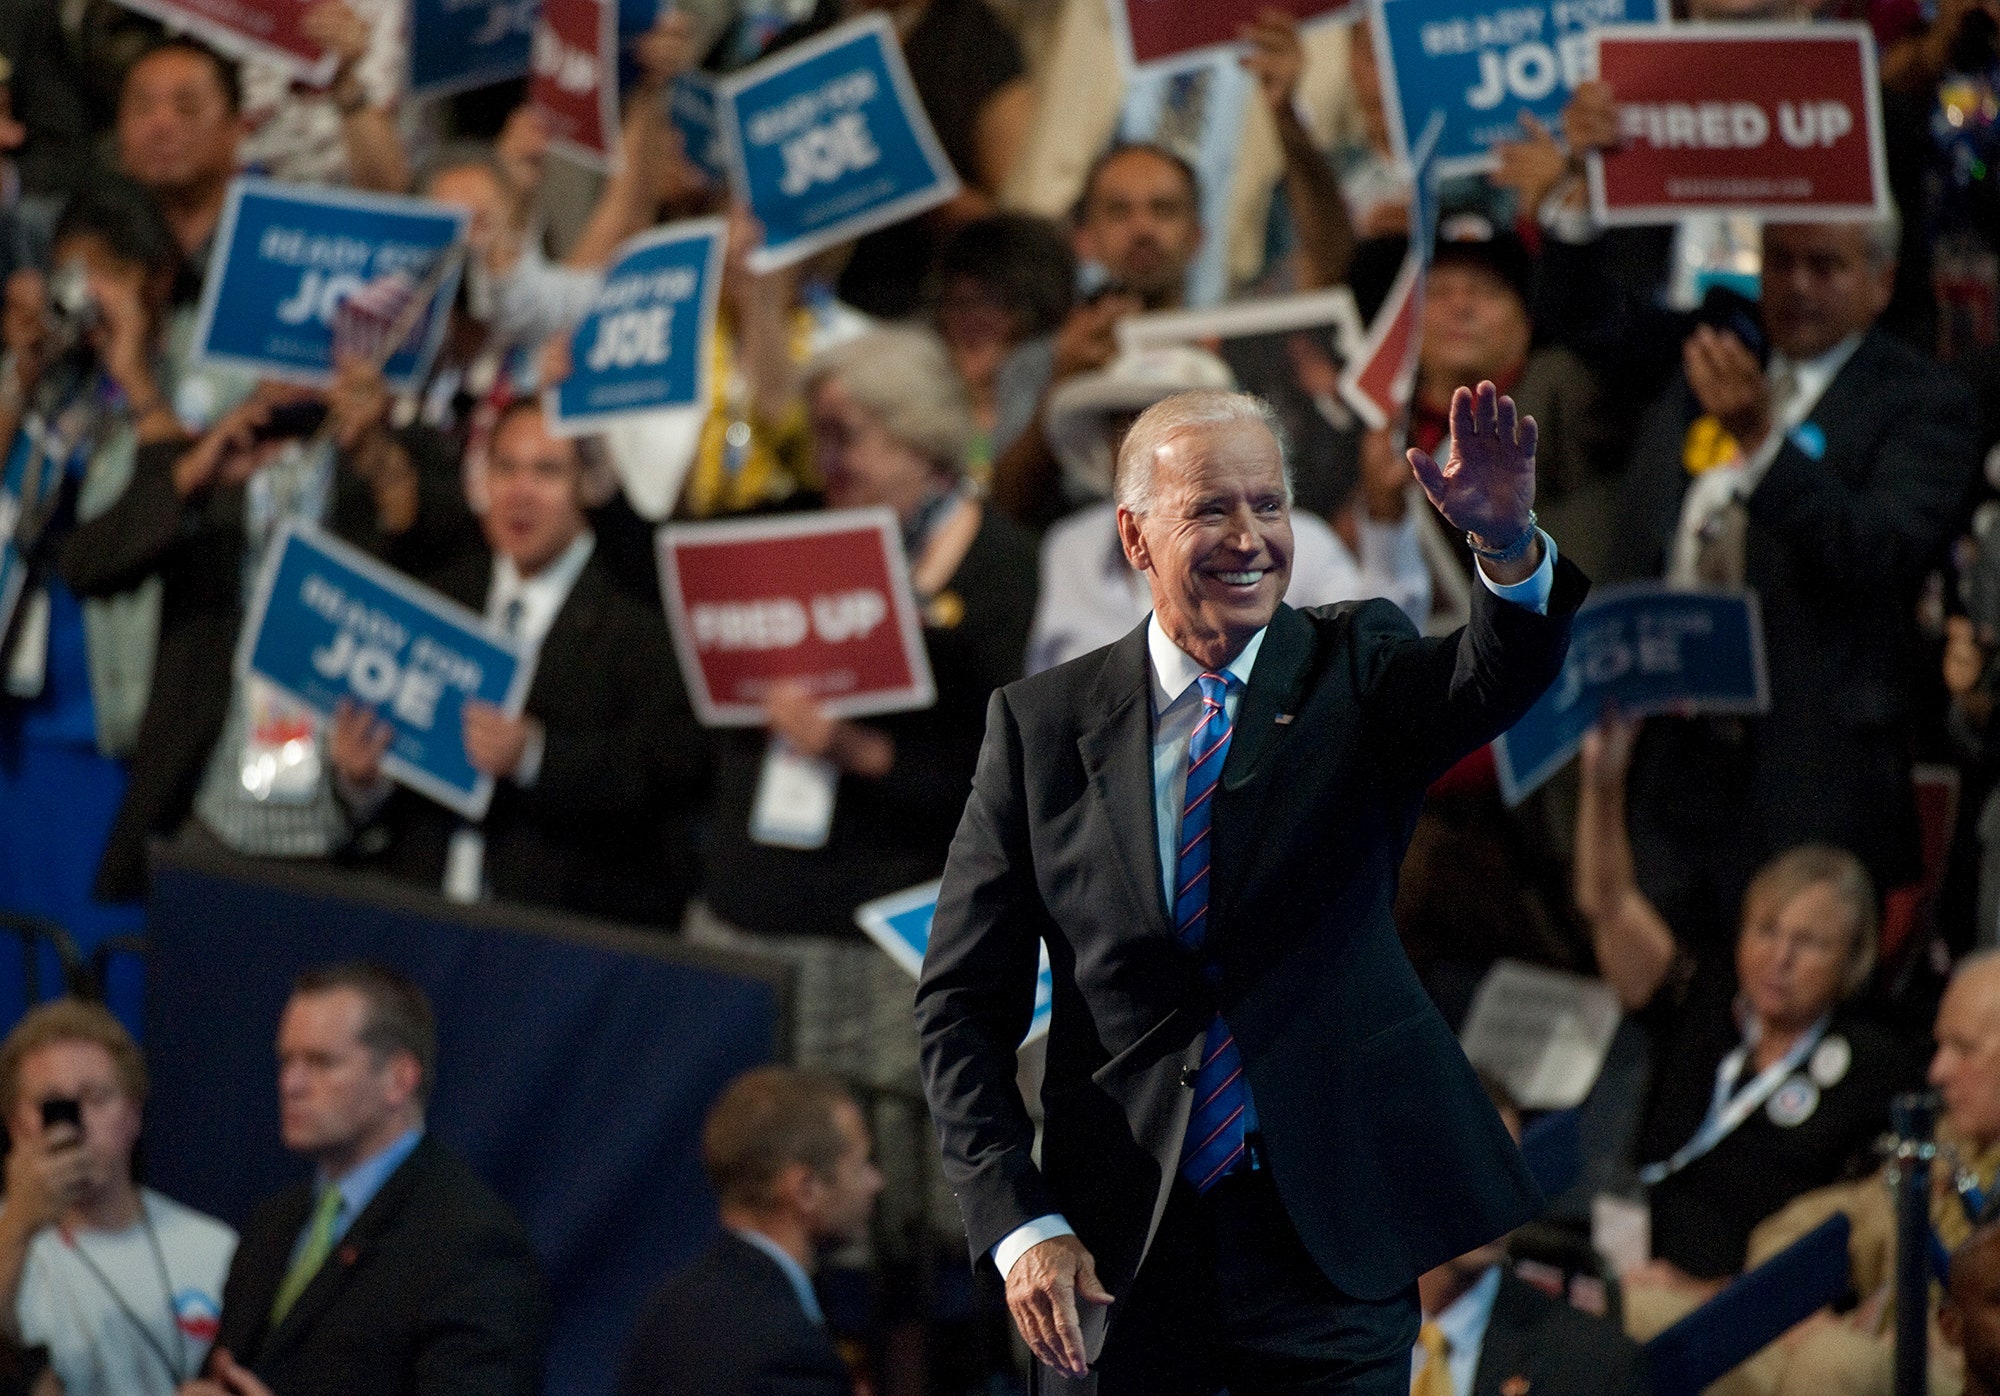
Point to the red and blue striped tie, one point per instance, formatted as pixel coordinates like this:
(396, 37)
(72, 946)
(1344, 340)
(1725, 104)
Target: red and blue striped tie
(1214, 1141)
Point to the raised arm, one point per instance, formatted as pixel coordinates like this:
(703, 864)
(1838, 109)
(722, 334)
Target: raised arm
(1319, 208)
(1635, 947)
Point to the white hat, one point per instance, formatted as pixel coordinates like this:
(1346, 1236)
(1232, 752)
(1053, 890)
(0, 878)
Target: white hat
(1079, 410)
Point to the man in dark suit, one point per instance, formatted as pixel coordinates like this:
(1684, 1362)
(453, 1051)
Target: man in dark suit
(396, 1269)
(1828, 483)
(1247, 1088)
(788, 1155)
(597, 779)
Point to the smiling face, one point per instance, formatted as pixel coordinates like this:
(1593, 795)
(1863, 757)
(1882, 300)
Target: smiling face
(1792, 958)
(177, 134)
(1215, 537)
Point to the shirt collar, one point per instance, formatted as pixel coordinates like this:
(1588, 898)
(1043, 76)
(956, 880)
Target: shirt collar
(558, 575)
(1820, 370)
(366, 1178)
(1174, 672)
(1464, 1321)
(801, 1282)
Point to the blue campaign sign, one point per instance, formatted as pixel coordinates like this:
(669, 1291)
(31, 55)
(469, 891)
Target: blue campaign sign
(330, 623)
(644, 346)
(828, 141)
(1649, 649)
(1482, 63)
(691, 107)
(901, 926)
(286, 256)
(456, 45)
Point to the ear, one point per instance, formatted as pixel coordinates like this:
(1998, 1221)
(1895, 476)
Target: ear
(405, 1076)
(1133, 541)
(797, 1189)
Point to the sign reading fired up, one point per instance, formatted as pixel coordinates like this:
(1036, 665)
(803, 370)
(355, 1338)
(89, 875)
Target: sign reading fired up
(821, 600)
(1783, 121)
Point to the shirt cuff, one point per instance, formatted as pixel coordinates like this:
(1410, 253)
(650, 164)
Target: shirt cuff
(529, 770)
(1534, 592)
(1025, 1238)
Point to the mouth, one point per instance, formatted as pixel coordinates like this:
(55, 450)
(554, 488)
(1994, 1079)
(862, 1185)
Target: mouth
(1248, 577)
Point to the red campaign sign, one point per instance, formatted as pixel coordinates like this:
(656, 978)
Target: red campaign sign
(1179, 31)
(270, 29)
(573, 76)
(1377, 382)
(1776, 120)
(818, 599)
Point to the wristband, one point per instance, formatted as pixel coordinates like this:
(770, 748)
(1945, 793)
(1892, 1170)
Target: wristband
(1513, 552)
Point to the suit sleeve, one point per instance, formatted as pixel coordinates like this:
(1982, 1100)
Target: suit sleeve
(976, 996)
(486, 1331)
(1881, 535)
(133, 539)
(1430, 702)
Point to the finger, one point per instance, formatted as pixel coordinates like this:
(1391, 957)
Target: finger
(1533, 126)
(1486, 411)
(1505, 420)
(1032, 1332)
(1069, 1331)
(1530, 435)
(1462, 427)
(1087, 1286)
(1428, 473)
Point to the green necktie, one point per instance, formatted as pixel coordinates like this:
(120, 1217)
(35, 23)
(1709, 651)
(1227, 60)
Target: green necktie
(319, 1244)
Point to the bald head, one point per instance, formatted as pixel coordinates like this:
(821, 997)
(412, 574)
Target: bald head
(1966, 1069)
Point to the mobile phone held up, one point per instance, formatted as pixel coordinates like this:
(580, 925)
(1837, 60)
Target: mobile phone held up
(291, 421)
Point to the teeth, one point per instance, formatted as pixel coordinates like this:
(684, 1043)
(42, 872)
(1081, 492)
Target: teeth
(1240, 579)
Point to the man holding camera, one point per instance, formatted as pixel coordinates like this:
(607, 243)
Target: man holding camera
(118, 1283)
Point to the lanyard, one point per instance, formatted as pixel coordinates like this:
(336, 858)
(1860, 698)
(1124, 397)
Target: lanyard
(176, 1371)
(1727, 1111)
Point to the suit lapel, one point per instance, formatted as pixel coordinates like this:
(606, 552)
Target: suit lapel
(1117, 751)
(1276, 685)
(562, 648)
(366, 1232)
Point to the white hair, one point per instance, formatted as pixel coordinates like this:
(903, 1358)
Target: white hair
(904, 379)
(1134, 487)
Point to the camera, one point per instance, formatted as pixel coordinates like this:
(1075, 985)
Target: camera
(73, 310)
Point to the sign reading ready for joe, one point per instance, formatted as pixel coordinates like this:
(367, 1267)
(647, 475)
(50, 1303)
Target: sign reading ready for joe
(644, 346)
(286, 257)
(330, 623)
(821, 600)
(828, 141)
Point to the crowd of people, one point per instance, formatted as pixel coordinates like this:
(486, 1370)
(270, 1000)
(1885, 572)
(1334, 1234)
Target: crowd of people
(1807, 411)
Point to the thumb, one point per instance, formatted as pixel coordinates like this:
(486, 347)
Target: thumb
(1429, 474)
(1087, 1285)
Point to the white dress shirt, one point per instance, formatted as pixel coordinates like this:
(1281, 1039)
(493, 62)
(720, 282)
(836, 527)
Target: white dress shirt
(1463, 1324)
(1716, 488)
(1092, 597)
(1175, 706)
(541, 597)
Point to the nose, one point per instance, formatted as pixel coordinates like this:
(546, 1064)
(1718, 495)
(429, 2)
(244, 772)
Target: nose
(1940, 1069)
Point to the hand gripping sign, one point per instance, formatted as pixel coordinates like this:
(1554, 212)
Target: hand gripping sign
(272, 29)
(573, 77)
(827, 141)
(1482, 63)
(1776, 120)
(821, 600)
(645, 344)
(288, 256)
(329, 623)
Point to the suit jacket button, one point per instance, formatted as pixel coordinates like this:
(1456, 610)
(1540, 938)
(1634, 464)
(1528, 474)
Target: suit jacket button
(1187, 1077)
